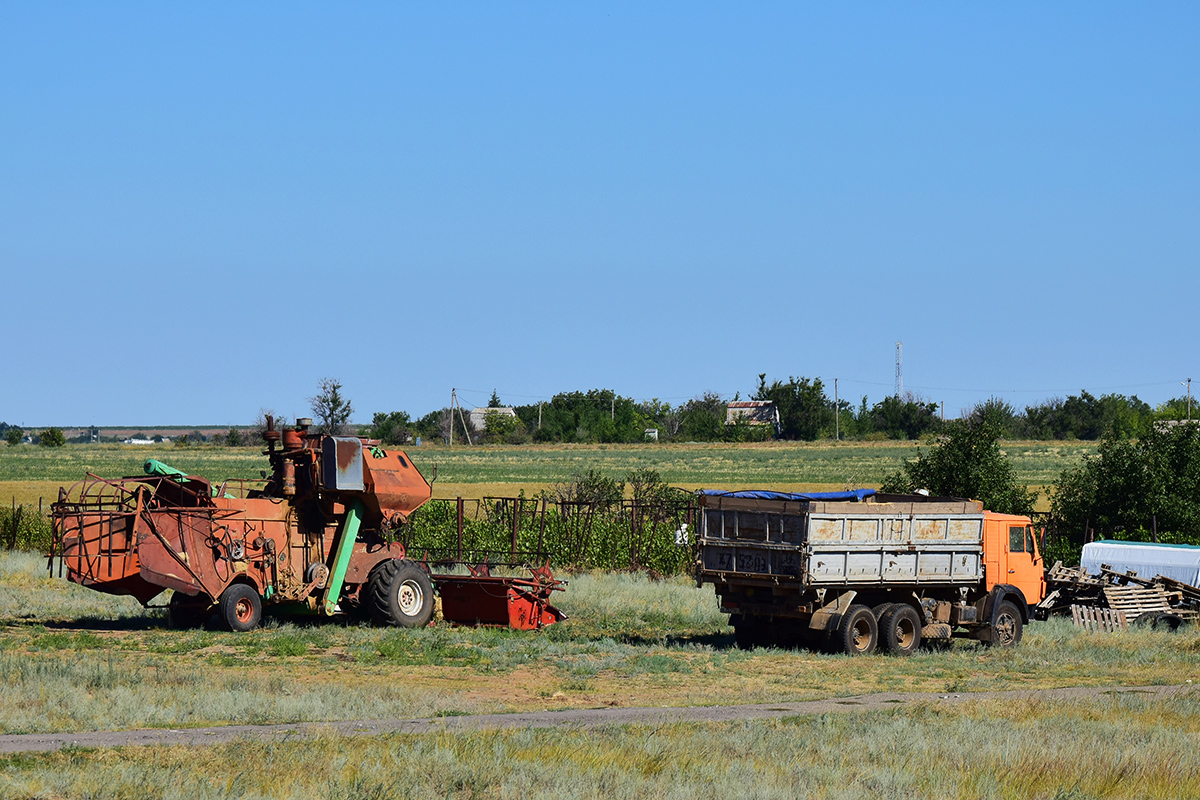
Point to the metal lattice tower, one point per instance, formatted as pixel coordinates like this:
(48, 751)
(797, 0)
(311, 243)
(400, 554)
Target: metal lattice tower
(899, 370)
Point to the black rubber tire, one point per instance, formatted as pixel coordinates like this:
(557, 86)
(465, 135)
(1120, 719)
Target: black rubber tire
(1166, 621)
(857, 633)
(185, 612)
(900, 630)
(881, 609)
(748, 631)
(400, 594)
(240, 607)
(1006, 626)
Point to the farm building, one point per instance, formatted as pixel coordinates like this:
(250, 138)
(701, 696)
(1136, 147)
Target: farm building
(479, 416)
(752, 412)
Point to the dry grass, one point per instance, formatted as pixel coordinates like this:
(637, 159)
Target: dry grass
(72, 659)
(1120, 747)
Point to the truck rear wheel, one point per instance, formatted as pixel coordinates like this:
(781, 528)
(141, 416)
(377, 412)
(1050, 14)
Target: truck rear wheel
(399, 593)
(240, 607)
(748, 631)
(857, 633)
(1006, 629)
(900, 630)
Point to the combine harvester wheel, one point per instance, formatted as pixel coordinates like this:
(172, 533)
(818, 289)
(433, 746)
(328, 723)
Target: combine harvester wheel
(400, 594)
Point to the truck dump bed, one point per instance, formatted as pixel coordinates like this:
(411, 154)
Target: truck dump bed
(814, 543)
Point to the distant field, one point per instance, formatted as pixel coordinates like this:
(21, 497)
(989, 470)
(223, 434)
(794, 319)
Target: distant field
(29, 472)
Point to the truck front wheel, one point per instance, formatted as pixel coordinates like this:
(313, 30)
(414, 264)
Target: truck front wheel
(858, 633)
(401, 594)
(1006, 629)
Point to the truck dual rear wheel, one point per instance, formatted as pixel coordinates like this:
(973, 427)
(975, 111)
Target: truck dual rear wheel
(900, 629)
(240, 607)
(399, 593)
(858, 633)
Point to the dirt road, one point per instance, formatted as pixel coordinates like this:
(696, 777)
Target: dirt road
(583, 718)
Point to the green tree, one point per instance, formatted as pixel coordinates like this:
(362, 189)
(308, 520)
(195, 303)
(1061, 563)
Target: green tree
(804, 410)
(908, 418)
(13, 436)
(967, 462)
(52, 437)
(703, 419)
(331, 408)
(233, 438)
(391, 428)
(494, 400)
(1130, 487)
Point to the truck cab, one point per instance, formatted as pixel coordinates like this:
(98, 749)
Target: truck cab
(1010, 555)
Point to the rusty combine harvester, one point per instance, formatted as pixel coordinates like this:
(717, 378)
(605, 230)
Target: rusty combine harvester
(315, 539)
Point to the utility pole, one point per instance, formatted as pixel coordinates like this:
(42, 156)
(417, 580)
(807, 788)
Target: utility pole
(1189, 387)
(899, 370)
(466, 431)
(539, 415)
(943, 411)
(837, 414)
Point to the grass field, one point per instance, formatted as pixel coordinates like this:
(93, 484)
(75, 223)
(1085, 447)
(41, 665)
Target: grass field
(72, 659)
(28, 472)
(1108, 748)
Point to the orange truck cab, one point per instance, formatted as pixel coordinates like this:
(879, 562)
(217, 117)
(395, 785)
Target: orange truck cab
(1010, 555)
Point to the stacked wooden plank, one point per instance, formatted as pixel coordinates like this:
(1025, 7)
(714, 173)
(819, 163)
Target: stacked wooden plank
(1111, 600)
(1136, 601)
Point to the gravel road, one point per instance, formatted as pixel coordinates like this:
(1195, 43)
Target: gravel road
(580, 718)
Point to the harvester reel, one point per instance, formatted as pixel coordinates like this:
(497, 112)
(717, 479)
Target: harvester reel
(400, 593)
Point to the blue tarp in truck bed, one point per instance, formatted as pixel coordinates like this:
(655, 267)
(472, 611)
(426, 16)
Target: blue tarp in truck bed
(853, 494)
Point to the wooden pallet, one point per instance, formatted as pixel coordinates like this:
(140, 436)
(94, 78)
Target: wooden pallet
(1135, 601)
(1071, 575)
(1104, 620)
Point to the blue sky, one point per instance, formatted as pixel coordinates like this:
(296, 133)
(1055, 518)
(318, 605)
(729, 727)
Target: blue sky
(206, 208)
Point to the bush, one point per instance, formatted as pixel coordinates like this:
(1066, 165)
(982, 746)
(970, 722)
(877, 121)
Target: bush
(967, 462)
(52, 437)
(23, 528)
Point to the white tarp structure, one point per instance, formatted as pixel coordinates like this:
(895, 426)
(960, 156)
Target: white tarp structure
(1178, 561)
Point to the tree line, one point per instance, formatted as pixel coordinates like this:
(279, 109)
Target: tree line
(806, 413)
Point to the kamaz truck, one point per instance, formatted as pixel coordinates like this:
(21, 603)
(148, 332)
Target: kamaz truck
(854, 571)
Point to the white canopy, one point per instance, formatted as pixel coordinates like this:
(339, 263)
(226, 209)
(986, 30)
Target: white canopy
(1178, 561)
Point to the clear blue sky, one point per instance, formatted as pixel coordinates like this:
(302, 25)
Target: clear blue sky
(205, 208)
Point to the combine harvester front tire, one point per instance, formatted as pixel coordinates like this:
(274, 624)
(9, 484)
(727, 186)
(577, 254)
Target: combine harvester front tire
(240, 607)
(400, 594)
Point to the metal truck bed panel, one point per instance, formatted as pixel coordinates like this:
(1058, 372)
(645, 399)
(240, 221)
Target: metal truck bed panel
(846, 543)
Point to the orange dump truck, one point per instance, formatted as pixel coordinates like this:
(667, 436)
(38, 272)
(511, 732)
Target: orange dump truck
(853, 571)
(317, 538)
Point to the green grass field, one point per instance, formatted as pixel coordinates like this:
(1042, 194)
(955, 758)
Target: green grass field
(772, 465)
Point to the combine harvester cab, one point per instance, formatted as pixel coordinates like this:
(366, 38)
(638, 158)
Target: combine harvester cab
(317, 539)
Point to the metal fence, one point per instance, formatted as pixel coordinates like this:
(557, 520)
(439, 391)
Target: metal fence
(578, 535)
